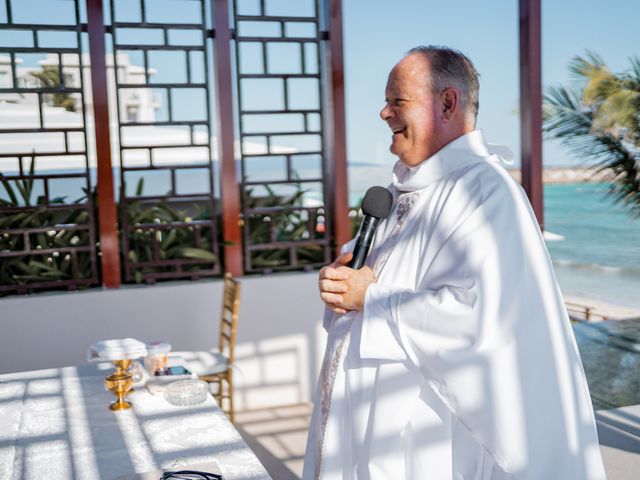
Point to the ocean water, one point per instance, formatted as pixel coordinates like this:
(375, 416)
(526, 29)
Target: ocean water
(600, 254)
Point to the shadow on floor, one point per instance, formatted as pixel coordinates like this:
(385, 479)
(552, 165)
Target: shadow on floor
(278, 437)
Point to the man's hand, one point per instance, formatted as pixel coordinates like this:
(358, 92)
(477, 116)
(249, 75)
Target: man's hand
(343, 288)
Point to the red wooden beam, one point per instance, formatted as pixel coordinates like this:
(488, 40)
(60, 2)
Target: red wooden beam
(531, 105)
(337, 128)
(107, 212)
(229, 192)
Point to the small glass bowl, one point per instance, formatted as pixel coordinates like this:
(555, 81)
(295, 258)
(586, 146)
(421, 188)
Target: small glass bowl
(186, 393)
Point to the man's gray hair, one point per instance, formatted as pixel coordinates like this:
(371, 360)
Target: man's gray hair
(451, 68)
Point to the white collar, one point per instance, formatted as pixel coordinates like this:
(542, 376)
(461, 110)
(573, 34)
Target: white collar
(465, 150)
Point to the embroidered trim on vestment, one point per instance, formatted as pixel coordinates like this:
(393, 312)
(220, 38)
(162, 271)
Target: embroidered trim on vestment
(334, 357)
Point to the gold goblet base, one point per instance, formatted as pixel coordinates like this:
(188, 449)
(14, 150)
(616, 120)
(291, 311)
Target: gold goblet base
(120, 405)
(120, 383)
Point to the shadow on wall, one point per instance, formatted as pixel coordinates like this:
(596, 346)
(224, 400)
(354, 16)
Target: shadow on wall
(280, 340)
(274, 371)
(279, 330)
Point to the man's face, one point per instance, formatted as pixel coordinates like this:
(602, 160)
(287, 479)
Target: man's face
(412, 111)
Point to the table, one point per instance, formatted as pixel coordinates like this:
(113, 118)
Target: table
(55, 424)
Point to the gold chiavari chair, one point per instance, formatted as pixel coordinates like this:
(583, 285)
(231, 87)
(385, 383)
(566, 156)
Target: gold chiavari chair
(216, 366)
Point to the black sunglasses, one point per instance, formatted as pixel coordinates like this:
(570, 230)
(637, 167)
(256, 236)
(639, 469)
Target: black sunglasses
(190, 475)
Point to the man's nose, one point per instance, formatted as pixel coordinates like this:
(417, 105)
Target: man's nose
(386, 113)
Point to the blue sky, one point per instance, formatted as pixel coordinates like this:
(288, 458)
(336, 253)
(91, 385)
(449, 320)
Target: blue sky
(378, 32)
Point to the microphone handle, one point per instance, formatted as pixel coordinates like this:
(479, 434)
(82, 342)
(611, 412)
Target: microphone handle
(364, 241)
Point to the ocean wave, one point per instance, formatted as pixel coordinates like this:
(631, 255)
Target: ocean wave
(552, 237)
(596, 267)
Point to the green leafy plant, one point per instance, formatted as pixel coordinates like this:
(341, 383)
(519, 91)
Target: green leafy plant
(50, 77)
(184, 233)
(599, 118)
(286, 225)
(34, 267)
(171, 242)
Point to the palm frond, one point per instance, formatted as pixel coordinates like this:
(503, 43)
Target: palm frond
(580, 127)
(634, 74)
(584, 67)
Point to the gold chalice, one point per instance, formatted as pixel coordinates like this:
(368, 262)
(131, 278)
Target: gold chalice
(120, 384)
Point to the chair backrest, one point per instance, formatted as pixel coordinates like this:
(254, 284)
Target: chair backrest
(229, 317)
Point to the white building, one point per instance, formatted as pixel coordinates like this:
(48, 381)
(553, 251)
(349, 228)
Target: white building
(136, 104)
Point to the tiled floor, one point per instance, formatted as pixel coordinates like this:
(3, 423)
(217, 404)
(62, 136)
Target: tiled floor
(278, 437)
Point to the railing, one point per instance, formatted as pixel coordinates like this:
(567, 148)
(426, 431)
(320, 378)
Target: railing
(583, 313)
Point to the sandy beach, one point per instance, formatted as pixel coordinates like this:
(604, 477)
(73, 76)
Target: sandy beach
(600, 309)
(566, 175)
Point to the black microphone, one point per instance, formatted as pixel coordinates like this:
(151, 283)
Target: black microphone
(376, 206)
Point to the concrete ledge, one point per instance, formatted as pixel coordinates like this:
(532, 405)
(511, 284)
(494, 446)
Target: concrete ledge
(619, 433)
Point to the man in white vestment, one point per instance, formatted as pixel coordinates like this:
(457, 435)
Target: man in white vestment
(449, 354)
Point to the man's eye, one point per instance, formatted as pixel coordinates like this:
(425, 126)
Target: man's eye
(399, 102)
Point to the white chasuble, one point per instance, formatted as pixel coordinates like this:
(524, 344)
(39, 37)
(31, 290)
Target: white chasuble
(463, 364)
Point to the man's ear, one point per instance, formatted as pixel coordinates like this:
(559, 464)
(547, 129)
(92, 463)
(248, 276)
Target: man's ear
(450, 102)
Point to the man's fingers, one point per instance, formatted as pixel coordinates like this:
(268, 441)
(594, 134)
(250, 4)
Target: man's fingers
(331, 273)
(331, 298)
(331, 283)
(344, 258)
(332, 286)
(337, 270)
(344, 271)
(336, 309)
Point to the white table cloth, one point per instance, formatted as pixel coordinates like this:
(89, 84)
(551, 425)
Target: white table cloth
(55, 424)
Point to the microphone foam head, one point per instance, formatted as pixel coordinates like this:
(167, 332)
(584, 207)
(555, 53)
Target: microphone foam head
(377, 202)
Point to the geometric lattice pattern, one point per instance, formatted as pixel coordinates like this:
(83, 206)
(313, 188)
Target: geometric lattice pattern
(167, 199)
(282, 152)
(47, 239)
(159, 88)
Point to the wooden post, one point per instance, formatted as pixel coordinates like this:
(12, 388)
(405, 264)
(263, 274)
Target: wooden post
(531, 105)
(229, 193)
(338, 151)
(107, 211)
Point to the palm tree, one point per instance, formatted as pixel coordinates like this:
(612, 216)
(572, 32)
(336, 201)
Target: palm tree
(50, 77)
(599, 118)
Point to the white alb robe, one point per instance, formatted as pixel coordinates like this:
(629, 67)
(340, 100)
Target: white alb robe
(463, 364)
